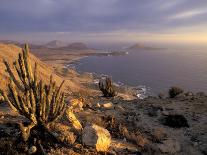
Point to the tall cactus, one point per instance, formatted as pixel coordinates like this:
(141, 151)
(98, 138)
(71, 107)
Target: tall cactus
(39, 102)
(107, 88)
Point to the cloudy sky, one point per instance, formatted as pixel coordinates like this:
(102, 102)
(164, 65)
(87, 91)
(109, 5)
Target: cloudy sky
(104, 20)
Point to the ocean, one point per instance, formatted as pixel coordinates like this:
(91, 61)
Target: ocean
(153, 71)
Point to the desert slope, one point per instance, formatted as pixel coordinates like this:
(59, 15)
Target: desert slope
(10, 53)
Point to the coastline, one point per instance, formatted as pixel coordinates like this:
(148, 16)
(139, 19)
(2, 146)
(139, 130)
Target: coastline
(136, 126)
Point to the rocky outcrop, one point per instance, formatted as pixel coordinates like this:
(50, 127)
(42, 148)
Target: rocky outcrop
(96, 137)
(73, 120)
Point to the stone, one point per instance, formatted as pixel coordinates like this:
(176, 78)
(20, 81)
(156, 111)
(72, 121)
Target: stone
(32, 150)
(161, 95)
(98, 105)
(169, 146)
(77, 104)
(165, 113)
(97, 137)
(189, 94)
(72, 118)
(107, 105)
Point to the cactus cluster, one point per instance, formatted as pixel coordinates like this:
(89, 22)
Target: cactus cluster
(107, 88)
(40, 103)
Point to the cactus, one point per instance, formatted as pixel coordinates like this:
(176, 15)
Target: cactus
(107, 88)
(174, 91)
(38, 102)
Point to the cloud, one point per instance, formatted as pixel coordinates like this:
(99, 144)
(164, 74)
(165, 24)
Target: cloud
(189, 14)
(100, 16)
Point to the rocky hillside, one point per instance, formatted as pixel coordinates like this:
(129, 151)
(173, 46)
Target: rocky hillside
(10, 53)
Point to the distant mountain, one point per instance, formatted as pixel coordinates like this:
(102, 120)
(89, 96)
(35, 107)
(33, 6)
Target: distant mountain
(55, 44)
(10, 42)
(141, 46)
(76, 46)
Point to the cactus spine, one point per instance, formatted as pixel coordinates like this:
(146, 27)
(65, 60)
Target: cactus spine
(40, 103)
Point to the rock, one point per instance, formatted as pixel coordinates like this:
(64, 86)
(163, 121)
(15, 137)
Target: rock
(175, 121)
(107, 105)
(165, 113)
(32, 150)
(98, 105)
(169, 146)
(161, 95)
(96, 137)
(72, 118)
(189, 94)
(77, 104)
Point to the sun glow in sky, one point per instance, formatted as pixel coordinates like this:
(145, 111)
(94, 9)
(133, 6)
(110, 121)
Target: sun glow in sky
(182, 21)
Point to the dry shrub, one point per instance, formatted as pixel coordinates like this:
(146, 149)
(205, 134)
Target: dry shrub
(174, 91)
(137, 137)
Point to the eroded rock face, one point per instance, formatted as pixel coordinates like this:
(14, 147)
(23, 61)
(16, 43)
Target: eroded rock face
(97, 137)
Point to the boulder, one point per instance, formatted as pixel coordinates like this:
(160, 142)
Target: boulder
(98, 105)
(108, 105)
(74, 121)
(97, 137)
(32, 150)
(169, 146)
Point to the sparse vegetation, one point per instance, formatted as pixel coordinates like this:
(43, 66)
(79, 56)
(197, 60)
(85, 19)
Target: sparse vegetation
(174, 91)
(107, 88)
(38, 102)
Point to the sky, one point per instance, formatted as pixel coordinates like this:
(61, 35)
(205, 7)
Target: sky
(181, 21)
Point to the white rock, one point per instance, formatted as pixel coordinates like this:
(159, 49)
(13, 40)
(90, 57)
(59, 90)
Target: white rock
(32, 150)
(107, 105)
(98, 105)
(96, 137)
(72, 118)
(169, 146)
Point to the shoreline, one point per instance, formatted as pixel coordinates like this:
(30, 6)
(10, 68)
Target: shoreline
(140, 91)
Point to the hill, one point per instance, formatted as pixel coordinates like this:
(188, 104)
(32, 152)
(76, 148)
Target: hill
(55, 44)
(76, 46)
(10, 53)
(10, 42)
(141, 46)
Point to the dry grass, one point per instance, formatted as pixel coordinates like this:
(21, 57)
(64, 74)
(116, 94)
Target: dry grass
(10, 53)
